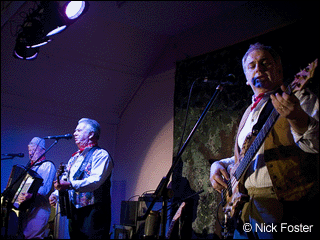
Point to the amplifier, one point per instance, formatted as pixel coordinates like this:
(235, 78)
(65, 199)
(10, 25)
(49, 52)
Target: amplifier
(131, 210)
(123, 232)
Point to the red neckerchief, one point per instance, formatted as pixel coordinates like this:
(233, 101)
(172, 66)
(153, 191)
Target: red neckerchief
(81, 149)
(257, 100)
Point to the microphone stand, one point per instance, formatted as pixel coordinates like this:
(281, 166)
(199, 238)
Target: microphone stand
(47, 150)
(8, 157)
(7, 194)
(162, 187)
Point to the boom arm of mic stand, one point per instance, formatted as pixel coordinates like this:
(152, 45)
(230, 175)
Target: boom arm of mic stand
(47, 150)
(164, 182)
(6, 158)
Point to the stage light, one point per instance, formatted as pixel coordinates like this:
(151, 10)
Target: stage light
(74, 9)
(50, 18)
(60, 15)
(22, 52)
(56, 30)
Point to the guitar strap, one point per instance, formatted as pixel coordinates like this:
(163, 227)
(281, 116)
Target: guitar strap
(79, 173)
(266, 111)
(40, 163)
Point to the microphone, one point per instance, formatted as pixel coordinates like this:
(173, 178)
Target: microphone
(227, 80)
(66, 136)
(14, 154)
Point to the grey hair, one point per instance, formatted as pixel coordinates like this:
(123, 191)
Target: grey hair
(94, 126)
(259, 46)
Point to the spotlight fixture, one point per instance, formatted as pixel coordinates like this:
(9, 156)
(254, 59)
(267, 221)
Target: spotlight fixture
(74, 9)
(50, 18)
(21, 51)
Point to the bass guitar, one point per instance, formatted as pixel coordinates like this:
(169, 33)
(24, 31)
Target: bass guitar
(234, 197)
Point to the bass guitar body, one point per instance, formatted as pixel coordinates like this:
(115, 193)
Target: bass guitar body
(232, 200)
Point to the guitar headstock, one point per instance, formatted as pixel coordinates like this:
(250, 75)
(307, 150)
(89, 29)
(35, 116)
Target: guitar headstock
(179, 211)
(61, 170)
(302, 77)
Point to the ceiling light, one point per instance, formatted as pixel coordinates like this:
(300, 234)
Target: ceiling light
(56, 30)
(74, 9)
(50, 18)
(24, 53)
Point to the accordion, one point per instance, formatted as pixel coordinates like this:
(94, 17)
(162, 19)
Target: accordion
(21, 181)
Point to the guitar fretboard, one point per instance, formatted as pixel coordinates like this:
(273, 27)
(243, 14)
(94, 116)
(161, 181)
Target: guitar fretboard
(258, 141)
(255, 146)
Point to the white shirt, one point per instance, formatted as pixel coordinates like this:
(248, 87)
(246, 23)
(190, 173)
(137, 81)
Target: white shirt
(101, 169)
(34, 225)
(47, 171)
(102, 166)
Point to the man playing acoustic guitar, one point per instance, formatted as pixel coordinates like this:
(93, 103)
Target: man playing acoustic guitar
(270, 185)
(88, 184)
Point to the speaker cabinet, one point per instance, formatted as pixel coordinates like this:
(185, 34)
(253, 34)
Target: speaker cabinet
(129, 211)
(123, 232)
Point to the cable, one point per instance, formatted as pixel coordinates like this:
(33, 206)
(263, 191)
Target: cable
(188, 105)
(222, 227)
(147, 192)
(133, 197)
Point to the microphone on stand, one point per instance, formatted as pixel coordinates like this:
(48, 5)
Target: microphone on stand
(66, 136)
(14, 154)
(227, 80)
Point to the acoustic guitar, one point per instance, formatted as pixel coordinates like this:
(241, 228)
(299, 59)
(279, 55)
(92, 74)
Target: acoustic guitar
(65, 204)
